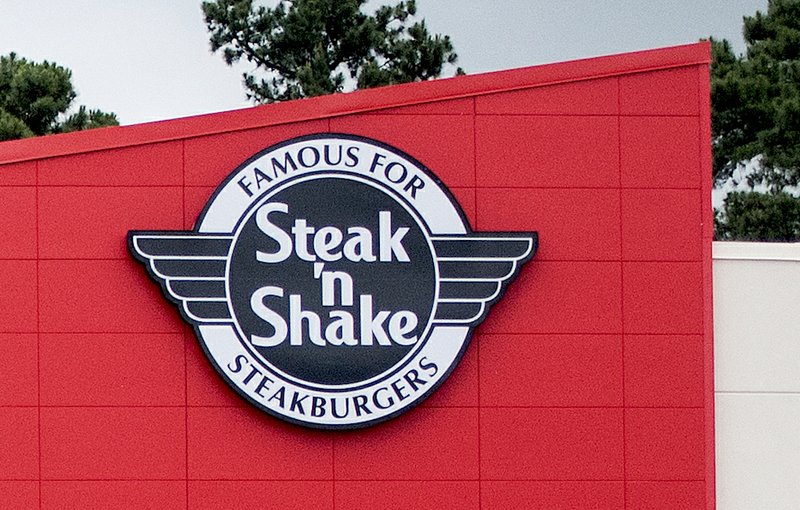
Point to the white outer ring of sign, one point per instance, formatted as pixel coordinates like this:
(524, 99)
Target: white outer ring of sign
(445, 344)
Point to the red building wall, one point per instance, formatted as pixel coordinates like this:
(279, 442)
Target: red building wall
(590, 385)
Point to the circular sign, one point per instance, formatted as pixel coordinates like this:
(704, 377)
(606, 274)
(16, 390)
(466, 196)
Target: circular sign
(332, 280)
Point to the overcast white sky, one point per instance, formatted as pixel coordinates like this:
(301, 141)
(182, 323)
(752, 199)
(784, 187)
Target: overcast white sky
(149, 59)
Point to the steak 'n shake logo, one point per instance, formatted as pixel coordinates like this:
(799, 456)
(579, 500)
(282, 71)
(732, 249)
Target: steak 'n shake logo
(332, 280)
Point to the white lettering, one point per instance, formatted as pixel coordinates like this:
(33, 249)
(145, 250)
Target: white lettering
(310, 244)
(269, 316)
(391, 243)
(273, 232)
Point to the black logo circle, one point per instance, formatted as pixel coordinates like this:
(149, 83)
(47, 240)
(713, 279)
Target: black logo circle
(338, 228)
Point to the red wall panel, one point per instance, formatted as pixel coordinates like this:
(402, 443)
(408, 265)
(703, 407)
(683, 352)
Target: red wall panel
(547, 151)
(665, 495)
(18, 222)
(594, 97)
(117, 442)
(113, 495)
(269, 495)
(20, 494)
(19, 367)
(18, 174)
(589, 385)
(664, 370)
(19, 310)
(659, 152)
(551, 370)
(661, 224)
(664, 444)
(660, 92)
(109, 369)
(428, 495)
(551, 443)
(19, 444)
(535, 495)
(156, 164)
(662, 297)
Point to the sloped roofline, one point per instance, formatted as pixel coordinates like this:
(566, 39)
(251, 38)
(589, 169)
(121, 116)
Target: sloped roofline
(355, 102)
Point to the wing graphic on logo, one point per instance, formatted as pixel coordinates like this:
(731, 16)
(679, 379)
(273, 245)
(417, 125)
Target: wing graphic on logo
(474, 270)
(190, 268)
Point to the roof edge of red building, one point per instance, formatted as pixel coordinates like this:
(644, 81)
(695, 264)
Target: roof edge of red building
(323, 107)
